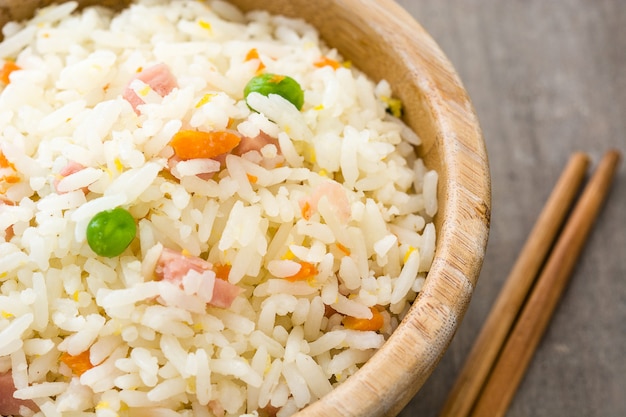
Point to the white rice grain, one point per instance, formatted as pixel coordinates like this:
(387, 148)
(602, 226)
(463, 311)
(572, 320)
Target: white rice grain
(11, 45)
(283, 268)
(326, 342)
(259, 340)
(19, 369)
(351, 308)
(113, 299)
(430, 192)
(11, 335)
(407, 277)
(140, 178)
(294, 344)
(315, 377)
(349, 273)
(40, 307)
(363, 340)
(297, 384)
(346, 359)
(83, 338)
(203, 377)
(237, 368)
(78, 180)
(427, 253)
(167, 389)
(44, 389)
(195, 167)
(38, 347)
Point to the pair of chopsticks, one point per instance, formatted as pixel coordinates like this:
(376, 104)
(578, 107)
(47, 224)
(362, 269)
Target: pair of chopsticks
(520, 315)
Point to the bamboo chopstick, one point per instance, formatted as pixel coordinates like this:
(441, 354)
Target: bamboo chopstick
(485, 389)
(521, 344)
(502, 316)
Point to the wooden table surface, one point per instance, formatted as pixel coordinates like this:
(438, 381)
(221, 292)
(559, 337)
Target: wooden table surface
(547, 78)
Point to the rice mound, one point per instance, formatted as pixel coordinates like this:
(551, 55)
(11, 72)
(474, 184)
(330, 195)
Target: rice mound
(338, 189)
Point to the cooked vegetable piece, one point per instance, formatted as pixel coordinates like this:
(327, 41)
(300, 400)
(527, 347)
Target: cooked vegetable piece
(191, 144)
(307, 271)
(283, 85)
(254, 54)
(79, 364)
(6, 70)
(394, 106)
(172, 266)
(158, 77)
(336, 196)
(110, 232)
(4, 162)
(8, 174)
(306, 210)
(374, 324)
(343, 249)
(325, 61)
(222, 271)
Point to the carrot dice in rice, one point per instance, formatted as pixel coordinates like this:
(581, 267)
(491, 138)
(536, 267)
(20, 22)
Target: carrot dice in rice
(325, 61)
(307, 271)
(374, 324)
(7, 69)
(191, 144)
(79, 364)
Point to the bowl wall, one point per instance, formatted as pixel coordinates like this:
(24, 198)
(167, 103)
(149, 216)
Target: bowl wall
(384, 41)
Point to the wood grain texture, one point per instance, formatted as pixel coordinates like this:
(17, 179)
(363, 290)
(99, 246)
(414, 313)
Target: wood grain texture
(546, 79)
(515, 290)
(385, 41)
(536, 313)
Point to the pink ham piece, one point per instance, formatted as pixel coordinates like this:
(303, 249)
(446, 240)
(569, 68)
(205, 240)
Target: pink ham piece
(172, 266)
(216, 408)
(256, 143)
(336, 196)
(69, 169)
(10, 406)
(158, 77)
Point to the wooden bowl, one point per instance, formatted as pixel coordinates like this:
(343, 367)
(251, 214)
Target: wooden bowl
(384, 41)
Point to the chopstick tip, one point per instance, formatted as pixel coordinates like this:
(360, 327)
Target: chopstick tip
(614, 154)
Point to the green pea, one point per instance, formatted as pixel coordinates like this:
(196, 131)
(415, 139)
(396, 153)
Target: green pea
(283, 85)
(110, 232)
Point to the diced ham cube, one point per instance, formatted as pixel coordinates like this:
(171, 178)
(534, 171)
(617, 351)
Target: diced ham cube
(256, 143)
(158, 77)
(172, 266)
(224, 293)
(69, 169)
(10, 406)
(336, 196)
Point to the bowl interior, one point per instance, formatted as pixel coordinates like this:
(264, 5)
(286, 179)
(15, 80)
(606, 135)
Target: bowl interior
(384, 41)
